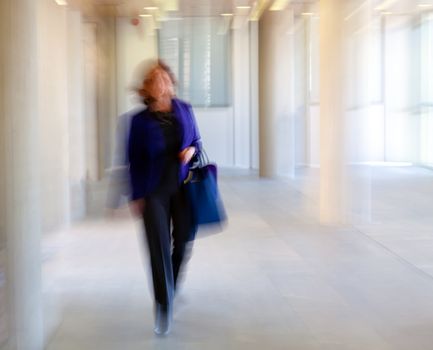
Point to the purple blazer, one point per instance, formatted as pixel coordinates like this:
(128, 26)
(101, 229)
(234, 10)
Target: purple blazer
(146, 142)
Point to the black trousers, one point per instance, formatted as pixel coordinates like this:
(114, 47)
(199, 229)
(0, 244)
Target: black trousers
(169, 229)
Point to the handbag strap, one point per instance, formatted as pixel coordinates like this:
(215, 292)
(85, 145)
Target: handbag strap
(199, 160)
(203, 157)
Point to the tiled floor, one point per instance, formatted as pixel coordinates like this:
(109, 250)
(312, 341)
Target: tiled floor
(274, 279)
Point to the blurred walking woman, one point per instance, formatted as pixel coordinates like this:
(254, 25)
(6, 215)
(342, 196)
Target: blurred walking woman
(163, 138)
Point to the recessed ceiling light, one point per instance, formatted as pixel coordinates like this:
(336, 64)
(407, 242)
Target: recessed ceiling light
(146, 15)
(385, 5)
(150, 8)
(279, 5)
(61, 2)
(243, 7)
(227, 14)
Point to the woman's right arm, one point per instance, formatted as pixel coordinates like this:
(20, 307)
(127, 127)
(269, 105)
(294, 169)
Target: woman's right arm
(136, 160)
(136, 163)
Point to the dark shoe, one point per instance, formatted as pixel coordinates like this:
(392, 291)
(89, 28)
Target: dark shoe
(163, 319)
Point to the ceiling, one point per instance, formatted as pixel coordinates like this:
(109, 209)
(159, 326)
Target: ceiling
(184, 8)
(179, 7)
(191, 8)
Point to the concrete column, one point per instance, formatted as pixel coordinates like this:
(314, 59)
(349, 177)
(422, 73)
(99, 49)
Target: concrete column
(241, 94)
(106, 89)
(90, 69)
(332, 112)
(19, 175)
(254, 94)
(77, 172)
(276, 57)
(344, 104)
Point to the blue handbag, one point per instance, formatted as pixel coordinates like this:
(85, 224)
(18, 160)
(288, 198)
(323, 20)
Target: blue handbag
(202, 189)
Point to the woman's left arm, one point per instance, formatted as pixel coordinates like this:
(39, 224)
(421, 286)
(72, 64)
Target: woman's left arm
(186, 154)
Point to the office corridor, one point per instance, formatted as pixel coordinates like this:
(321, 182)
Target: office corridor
(274, 279)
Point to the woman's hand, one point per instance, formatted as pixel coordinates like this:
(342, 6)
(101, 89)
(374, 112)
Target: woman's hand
(186, 154)
(137, 207)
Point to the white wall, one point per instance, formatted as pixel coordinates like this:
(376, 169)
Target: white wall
(217, 133)
(134, 44)
(53, 111)
(230, 135)
(77, 170)
(241, 96)
(402, 129)
(100, 91)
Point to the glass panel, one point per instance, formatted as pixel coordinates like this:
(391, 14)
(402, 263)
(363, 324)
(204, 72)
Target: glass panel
(427, 90)
(200, 57)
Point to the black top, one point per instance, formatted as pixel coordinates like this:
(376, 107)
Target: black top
(169, 181)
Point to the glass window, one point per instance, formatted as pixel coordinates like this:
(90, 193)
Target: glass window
(199, 54)
(426, 127)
